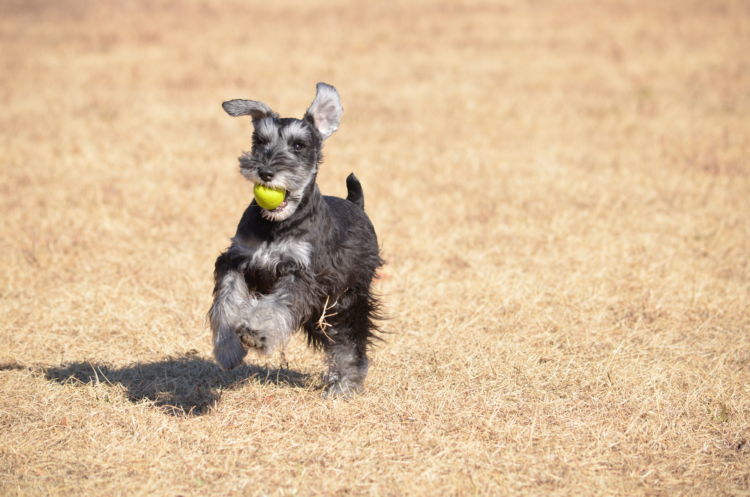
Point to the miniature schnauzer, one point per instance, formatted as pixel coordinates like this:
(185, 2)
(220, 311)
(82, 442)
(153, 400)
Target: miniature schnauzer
(307, 263)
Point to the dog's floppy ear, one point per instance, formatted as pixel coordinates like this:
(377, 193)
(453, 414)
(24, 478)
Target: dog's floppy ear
(326, 110)
(256, 110)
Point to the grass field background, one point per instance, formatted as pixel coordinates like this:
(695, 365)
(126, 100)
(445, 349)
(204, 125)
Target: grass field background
(561, 190)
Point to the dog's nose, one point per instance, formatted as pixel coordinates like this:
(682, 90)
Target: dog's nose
(265, 174)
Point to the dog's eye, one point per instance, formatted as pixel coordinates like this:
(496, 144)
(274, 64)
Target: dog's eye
(298, 146)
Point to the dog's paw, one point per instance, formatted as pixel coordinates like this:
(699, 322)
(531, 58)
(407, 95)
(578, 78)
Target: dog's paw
(228, 351)
(264, 327)
(252, 339)
(341, 389)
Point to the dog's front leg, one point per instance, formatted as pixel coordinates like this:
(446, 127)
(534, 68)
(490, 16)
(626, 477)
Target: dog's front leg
(228, 316)
(275, 316)
(268, 325)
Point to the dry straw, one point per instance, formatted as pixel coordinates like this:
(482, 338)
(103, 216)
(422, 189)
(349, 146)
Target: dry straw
(561, 190)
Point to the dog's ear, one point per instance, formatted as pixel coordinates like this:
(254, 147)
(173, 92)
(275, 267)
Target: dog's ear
(326, 110)
(256, 110)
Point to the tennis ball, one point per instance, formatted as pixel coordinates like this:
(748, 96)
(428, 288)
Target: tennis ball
(268, 198)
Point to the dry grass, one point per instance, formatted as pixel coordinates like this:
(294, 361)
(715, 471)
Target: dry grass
(562, 191)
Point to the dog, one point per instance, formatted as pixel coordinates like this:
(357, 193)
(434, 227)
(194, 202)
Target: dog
(309, 263)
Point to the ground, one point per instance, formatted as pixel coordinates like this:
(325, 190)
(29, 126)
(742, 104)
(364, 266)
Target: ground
(562, 194)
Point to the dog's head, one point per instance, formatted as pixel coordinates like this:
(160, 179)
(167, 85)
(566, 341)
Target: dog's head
(286, 151)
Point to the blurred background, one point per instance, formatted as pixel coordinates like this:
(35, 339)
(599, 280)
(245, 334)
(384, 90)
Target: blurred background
(561, 190)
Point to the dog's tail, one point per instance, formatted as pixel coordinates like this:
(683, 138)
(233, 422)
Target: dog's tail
(354, 191)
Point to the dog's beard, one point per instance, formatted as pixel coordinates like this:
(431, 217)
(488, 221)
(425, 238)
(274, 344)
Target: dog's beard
(295, 186)
(291, 203)
(285, 210)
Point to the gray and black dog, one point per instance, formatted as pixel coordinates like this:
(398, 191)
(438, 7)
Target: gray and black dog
(308, 263)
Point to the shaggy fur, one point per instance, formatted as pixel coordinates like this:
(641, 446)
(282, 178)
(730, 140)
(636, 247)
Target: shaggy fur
(307, 264)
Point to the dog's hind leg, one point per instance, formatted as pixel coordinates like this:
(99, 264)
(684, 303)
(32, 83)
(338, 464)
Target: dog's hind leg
(346, 350)
(347, 366)
(345, 333)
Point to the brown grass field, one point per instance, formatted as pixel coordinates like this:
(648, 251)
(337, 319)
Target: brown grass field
(561, 190)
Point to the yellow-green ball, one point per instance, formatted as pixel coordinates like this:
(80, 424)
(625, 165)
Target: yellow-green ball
(268, 198)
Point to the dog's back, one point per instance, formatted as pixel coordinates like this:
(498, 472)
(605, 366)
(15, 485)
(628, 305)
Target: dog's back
(355, 236)
(353, 225)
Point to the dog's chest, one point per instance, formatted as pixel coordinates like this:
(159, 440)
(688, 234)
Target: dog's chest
(268, 256)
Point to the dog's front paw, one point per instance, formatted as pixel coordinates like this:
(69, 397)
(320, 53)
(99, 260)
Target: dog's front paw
(265, 326)
(228, 350)
(252, 339)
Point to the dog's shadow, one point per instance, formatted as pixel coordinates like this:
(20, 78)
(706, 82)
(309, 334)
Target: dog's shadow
(183, 385)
